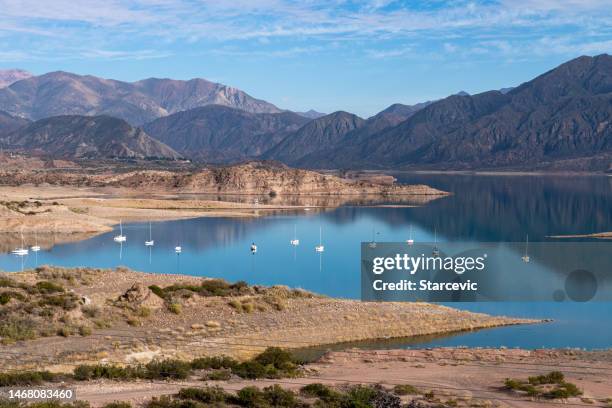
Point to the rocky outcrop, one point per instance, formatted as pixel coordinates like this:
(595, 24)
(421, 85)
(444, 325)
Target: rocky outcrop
(248, 178)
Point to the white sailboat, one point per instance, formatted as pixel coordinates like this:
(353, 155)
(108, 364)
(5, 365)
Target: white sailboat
(35, 247)
(120, 237)
(526, 258)
(436, 251)
(22, 251)
(178, 249)
(372, 244)
(253, 248)
(410, 241)
(295, 241)
(320, 247)
(150, 242)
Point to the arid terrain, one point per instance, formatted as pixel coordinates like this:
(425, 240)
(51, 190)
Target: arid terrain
(433, 378)
(62, 206)
(54, 318)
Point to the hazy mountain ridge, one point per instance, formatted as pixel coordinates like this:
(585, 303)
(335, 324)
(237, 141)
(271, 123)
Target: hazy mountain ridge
(219, 134)
(87, 137)
(561, 119)
(10, 76)
(64, 93)
(564, 114)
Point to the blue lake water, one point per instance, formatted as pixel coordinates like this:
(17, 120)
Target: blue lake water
(481, 209)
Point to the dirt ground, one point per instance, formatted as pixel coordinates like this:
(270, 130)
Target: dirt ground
(470, 377)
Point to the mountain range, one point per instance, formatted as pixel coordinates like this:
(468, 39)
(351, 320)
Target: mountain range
(217, 133)
(90, 137)
(64, 93)
(561, 119)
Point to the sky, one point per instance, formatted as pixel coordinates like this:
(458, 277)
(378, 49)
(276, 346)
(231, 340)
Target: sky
(358, 56)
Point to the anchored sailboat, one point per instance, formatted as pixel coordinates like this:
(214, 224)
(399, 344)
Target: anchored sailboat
(35, 247)
(320, 247)
(22, 251)
(150, 242)
(410, 241)
(120, 237)
(295, 241)
(373, 243)
(436, 251)
(525, 258)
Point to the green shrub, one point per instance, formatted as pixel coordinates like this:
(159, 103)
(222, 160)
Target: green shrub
(175, 308)
(277, 396)
(158, 291)
(251, 370)
(118, 404)
(168, 368)
(167, 402)
(205, 394)
(67, 301)
(554, 377)
(218, 375)
(45, 287)
(216, 363)
(251, 397)
(91, 311)
(7, 296)
(26, 378)
(111, 372)
(405, 389)
(16, 329)
(534, 386)
(318, 390)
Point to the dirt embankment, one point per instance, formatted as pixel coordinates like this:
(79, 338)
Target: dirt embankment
(114, 316)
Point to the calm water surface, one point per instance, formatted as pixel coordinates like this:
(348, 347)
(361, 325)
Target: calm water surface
(482, 208)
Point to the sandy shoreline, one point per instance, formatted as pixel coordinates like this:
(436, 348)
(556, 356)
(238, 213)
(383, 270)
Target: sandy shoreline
(62, 213)
(219, 324)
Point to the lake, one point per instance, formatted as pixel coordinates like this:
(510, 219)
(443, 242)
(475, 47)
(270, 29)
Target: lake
(481, 209)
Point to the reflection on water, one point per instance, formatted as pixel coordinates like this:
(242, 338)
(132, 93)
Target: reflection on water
(482, 208)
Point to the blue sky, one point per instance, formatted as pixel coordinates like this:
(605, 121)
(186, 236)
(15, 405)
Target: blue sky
(327, 55)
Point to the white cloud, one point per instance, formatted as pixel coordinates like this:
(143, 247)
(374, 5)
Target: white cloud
(510, 26)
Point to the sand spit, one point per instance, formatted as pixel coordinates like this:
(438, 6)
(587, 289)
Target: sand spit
(187, 324)
(601, 235)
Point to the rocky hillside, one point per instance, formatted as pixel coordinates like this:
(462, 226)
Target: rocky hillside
(261, 178)
(316, 136)
(220, 134)
(564, 115)
(71, 137)
(64, 93)
(10, 123)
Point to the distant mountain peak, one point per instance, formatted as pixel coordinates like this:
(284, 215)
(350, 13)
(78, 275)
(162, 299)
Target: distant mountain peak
(311, 114)
(10, 76)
